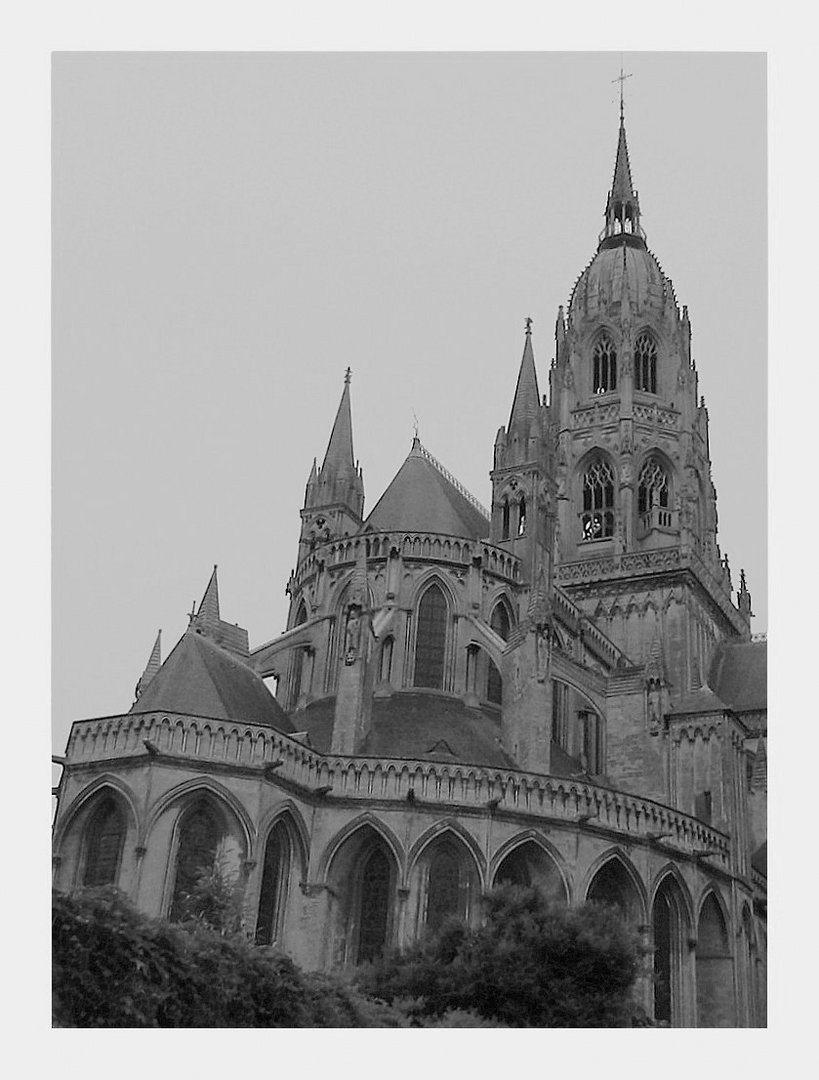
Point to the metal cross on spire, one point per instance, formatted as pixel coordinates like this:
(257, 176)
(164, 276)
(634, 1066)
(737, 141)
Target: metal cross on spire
(621, 78)
(347, 376)
(528, 323)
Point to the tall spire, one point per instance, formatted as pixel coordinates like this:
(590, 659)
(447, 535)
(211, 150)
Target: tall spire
(622, 204)
(339, 456)
(526, 404)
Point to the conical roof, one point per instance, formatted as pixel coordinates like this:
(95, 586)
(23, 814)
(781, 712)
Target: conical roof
(422, 497)
(152, 667)
(339, 457)
(201, 679)
(526, 403)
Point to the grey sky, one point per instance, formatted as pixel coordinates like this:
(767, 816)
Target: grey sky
(232, 230)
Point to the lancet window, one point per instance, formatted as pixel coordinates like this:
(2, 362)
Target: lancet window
(597, 519)
(652, 488)
(604, 366)
(645, 364)
(374, 905)
(275, 881)
(199, 836)
(505, 516)
(103, 848)
(522, 516)
(430, 639)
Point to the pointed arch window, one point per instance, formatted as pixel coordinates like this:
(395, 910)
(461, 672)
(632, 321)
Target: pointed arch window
(430, 639)
(653, 497)
(275, 881)
(103, 845)
(597, 519)
(604, 366)
(446, 887)
(199, 837)
(385, 667)
(505, 520)
(645, 364)
(522, 516)
(374, 905)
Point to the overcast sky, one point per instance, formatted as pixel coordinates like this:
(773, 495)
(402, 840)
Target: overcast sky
(232, 230)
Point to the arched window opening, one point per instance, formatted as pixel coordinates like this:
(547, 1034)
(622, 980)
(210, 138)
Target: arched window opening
(598, 501)
(199, 837)
(653, 499)
(494, 683)
(500, 621)
(103, 845)
(446, 892)
(592, 736)
(522, 516)
(667, 920)
(374, 905)
(430, 639)
(275, 882)
(604, 364)
(645, 364)
(612, 885)
(528, 864)
(505, 520)
(385, 667)
(715, 977)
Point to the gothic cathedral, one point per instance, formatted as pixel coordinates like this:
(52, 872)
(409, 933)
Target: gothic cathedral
(560, 690)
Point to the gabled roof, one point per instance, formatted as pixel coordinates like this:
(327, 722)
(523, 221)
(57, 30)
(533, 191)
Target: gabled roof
(702, 700)
(739, 675)
(201, 679)
(421, 498)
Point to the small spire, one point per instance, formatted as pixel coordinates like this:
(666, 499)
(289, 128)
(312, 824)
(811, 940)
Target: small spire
(152, 667)
(208, 616)
(340, 457)
(622, 205)
(526, 404)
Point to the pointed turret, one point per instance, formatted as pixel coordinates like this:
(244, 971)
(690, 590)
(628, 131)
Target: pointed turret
(208, 621)
(334, 496)
(622, 204)
(152, 667)
(339, 457)
(526, 403)
(207, 617)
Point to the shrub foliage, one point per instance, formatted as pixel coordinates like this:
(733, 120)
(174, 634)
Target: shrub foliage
(113, 967)
(532, 964)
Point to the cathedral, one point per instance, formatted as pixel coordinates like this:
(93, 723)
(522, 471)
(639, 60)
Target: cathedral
(561, 689)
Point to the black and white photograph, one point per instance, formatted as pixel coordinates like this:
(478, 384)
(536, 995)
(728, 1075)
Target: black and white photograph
(409, 539)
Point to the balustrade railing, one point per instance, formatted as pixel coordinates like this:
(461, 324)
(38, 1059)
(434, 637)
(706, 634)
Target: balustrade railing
(438, 547)
(370, 778)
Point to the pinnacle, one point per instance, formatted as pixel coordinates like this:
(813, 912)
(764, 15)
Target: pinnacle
(339, 456)
(526, 404)
(208, 613)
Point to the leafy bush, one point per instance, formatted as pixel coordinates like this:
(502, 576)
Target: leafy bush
(113, 967)
(532, 964)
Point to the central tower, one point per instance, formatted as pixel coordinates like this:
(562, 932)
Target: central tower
(636, 507)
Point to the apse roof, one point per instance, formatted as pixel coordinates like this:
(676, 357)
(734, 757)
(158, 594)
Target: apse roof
(423, 498)
(429, 727)
(201, 679)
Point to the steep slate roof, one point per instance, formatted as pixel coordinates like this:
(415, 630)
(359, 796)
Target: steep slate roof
(526, 403)
(421, 499)
(202, 679)
(423, 726)
(739, 674)
(339, 455)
